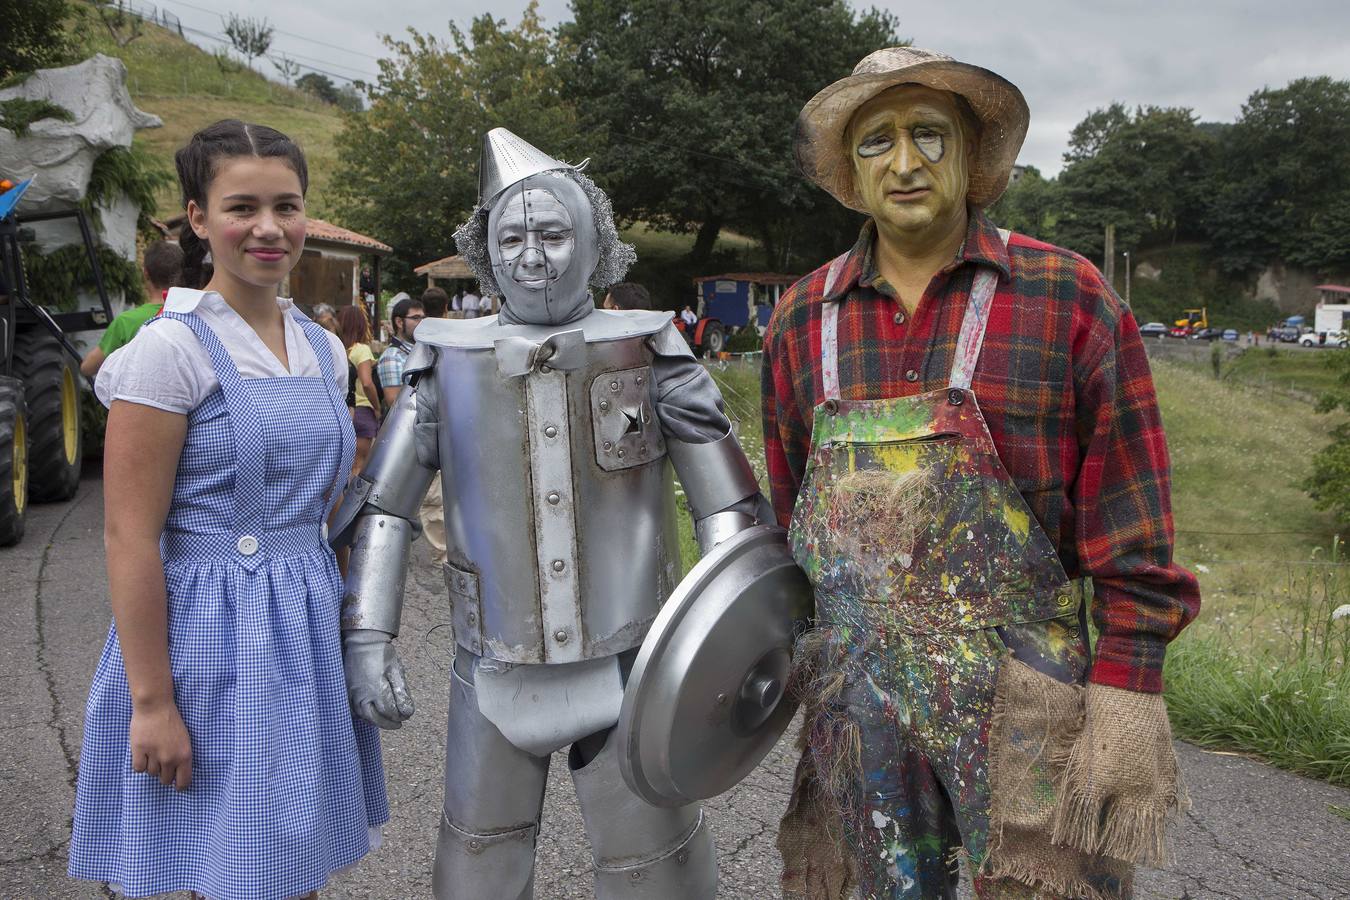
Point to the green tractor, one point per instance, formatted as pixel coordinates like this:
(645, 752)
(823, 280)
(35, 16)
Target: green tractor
(40, 381)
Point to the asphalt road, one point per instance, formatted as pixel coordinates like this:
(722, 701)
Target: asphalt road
(1253, 833)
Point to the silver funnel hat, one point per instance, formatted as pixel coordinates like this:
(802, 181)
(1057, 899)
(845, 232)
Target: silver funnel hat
(507, 159)
(542, 272)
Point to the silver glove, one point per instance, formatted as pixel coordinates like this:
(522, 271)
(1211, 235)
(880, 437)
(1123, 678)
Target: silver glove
(376, 687)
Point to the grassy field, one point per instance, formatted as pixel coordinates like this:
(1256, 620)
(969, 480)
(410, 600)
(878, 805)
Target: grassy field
(189, 88)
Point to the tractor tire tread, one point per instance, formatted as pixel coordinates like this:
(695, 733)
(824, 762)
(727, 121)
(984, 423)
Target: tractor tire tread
(11, 517)
(40, 360)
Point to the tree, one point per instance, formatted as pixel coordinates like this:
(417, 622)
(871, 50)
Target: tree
(1284, 182)
(318, 85)
(349, 97)
(287, 68)
(35, 35)
(1147, 173)
(1029, 206)
(251, 37)
(692, 105)
(408, 165)
(121, 21)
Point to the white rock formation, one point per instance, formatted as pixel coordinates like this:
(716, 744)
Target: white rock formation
(60, 155)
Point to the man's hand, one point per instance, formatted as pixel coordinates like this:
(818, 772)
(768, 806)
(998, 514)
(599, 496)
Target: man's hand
(160, 745)
(375, 683)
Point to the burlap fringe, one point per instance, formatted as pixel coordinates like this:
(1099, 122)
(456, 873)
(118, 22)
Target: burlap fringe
(817, 864)
(1027, 875)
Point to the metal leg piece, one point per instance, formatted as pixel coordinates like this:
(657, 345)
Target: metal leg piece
(494, 793)
(640, 850)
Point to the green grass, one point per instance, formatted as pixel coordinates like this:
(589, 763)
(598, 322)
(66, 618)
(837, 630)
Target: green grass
(189, 89)
(1289, 371)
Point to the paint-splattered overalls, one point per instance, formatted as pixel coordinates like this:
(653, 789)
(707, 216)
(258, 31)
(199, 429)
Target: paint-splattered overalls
(929, 568)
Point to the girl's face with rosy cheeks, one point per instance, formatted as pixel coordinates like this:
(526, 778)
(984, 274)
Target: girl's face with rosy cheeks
(254, 220)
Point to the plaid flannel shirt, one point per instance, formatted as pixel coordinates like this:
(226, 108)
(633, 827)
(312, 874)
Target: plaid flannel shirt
(1064, 384)
(391, 363)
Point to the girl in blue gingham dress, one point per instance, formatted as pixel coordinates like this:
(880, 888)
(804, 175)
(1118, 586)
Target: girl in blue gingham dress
(220, 755)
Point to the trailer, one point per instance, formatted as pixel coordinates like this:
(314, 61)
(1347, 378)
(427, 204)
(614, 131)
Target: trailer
(730, 302)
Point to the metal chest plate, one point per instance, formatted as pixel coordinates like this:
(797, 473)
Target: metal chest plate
(623, 421)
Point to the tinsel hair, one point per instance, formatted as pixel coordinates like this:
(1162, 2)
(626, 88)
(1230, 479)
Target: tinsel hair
(471, 240)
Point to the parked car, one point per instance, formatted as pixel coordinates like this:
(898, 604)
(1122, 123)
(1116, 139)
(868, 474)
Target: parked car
(1286, 334)
(1179, 331)
(1330, 339)
(1153, 329)
(1206, 334)
(1230, 334)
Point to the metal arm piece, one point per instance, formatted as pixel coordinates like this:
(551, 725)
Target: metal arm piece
(715, 475)
(378, 519)
(376, 574)
(720, 487)
(394, 480)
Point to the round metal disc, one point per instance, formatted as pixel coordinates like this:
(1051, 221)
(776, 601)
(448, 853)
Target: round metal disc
(705, 700)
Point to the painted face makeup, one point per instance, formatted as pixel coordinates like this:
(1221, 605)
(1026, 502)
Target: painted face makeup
(910, 158)
(254, 220)
(534, 238)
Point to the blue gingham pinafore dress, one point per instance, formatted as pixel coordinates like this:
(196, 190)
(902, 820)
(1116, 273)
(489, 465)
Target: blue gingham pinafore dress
(285, 783)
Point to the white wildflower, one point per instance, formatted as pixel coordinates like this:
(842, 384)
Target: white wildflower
(1341, 612)
(1202, 568)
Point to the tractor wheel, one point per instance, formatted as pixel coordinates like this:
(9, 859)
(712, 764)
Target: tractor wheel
(714, 340)
(51, 381)
(13, 461)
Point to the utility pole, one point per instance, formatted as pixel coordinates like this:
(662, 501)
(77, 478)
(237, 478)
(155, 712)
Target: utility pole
(1127, 278)
(1109, 255)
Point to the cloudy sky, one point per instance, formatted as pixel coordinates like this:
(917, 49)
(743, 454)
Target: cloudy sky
(1067, 56)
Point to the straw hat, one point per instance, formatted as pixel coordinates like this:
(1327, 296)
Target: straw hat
(997, 103)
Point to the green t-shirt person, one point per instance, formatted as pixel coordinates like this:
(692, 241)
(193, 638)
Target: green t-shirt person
(119, 334)
(163, 269)
(125, 326)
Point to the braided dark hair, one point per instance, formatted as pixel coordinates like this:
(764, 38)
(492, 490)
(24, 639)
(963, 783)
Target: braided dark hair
(197, 163)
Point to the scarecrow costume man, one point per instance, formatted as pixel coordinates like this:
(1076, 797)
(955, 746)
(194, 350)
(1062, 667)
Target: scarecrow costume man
(960, 425)
(552, 425)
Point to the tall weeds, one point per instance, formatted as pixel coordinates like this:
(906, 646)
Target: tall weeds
(1272, 678)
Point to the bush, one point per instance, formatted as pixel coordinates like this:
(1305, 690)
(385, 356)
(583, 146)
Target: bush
(745, 340)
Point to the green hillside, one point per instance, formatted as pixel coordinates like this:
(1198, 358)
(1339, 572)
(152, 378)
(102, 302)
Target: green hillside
(189, 88)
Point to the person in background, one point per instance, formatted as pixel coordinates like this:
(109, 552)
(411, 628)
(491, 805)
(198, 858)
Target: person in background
(457, 303)
(627, 295)
(163, 269)
(354, 329)
(404, 317)
(325, 317)
(688, 317)
(434, 303)
(471, 305)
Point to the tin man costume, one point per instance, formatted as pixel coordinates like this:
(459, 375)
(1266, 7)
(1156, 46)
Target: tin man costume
(552, 425)
(941, 402)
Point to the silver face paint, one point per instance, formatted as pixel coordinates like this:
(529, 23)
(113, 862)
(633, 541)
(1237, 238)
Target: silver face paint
(534, 238)
(543, 247)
